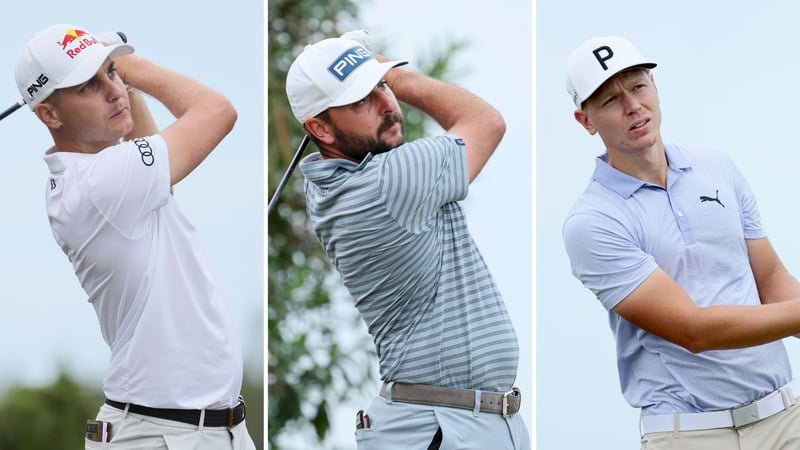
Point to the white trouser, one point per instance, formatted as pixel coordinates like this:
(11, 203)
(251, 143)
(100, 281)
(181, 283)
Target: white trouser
(134, 431)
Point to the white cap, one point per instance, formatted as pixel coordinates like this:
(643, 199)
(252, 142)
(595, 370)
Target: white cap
(332, 72)
(58, 57)
(597, 60)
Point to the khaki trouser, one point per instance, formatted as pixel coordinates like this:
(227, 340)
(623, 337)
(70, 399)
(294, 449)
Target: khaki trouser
(134, 431)
(779, 432)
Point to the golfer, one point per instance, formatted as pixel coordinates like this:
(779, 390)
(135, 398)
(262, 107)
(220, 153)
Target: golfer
(669, 239)
(387, 214)
(176, 366)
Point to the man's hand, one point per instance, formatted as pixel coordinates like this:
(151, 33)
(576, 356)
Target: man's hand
(204, 116)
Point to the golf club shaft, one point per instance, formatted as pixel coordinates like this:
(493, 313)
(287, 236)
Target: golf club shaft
(285, 180)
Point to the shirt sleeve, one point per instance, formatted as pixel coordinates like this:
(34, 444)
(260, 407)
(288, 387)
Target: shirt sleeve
(748, 205)
(605, 257)
(129, 181)
(420, 177)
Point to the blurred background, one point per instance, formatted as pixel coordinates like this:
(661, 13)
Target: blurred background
(53, 356)
(322, 366)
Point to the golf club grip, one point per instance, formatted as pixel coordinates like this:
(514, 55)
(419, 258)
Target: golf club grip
(285, 180)
(11, 109)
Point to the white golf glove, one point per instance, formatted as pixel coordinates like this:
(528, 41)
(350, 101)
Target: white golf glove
(110, 37)
(360, 36)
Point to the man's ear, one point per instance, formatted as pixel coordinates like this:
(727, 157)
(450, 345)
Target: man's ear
(321, 130)
(48, 114)
(583, 119)
(653, 80)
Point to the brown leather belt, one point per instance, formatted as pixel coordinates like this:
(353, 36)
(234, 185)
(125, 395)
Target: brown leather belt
(423, 394)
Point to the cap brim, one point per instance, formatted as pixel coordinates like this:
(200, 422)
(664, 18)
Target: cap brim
(88, 68)
(646, 65)
(366, 82)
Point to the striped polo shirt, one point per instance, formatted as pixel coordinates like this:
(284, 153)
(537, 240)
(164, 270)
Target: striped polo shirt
(392, 227)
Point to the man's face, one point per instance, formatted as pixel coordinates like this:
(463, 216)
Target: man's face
(625, 112)
(94, 114)
(374, 124)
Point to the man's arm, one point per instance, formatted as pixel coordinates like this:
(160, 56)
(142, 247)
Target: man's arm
(662, 307)
(774, 282)
(143, 122)
(204, 116)
(458, 111)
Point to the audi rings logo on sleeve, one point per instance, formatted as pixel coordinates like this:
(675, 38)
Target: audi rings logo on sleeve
(145, 150)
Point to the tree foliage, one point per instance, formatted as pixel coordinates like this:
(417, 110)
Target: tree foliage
(312, 365)
(53, 417)
(303, 356)
(47, 418)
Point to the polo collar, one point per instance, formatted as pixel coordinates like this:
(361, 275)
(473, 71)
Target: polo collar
(625, 185)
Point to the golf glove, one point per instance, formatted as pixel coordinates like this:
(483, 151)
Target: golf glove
(360, 36)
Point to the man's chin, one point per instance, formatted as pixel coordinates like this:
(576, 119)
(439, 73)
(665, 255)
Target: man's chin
(395, 141)
(126, 129)
(389, 144)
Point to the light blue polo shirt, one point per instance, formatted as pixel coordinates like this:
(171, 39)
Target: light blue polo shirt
(393, 228)
(621, 229)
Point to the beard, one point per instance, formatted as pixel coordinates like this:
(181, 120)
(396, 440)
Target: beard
(357, 147)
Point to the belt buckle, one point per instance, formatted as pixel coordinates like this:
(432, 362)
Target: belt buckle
(745, 415)
(505, 402)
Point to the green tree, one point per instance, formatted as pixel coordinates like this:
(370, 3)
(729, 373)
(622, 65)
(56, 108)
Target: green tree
(302, 353)
(310, 367)
(53, 417)
(47, 418)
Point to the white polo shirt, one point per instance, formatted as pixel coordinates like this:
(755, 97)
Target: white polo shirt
(161, 311)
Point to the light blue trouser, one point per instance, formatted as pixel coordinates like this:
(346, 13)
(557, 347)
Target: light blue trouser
(134, 431)
(398, 426)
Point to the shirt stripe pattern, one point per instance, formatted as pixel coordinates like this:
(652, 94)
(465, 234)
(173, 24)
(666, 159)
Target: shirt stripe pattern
(392, 227)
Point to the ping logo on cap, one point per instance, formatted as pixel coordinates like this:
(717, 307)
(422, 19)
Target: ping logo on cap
(82, 38)
(349, 61)
(608, 54)
(37, 84)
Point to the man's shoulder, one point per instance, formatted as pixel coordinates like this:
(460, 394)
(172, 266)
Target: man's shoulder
(696, 152)
(596, 205)
(434, 150)
(446, 140)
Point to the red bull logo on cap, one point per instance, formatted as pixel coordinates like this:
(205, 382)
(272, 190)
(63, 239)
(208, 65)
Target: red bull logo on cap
(77, 41)
(349, 61)
(71, 36)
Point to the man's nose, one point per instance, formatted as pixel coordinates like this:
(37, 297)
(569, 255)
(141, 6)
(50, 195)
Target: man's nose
(631, 102)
